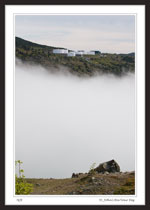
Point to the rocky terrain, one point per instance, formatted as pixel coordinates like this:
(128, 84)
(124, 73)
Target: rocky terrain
(106, 179)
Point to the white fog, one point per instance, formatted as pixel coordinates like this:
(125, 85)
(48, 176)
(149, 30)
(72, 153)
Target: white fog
(64, 124)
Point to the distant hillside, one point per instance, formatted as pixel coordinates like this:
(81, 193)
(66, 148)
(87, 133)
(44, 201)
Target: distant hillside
(87, 65)
(131, 54)
(21, 43)
(128, 54)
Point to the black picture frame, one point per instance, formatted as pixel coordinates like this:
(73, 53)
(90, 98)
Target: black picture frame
(2, 92)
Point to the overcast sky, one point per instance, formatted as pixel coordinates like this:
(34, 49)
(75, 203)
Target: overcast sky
(107, 33)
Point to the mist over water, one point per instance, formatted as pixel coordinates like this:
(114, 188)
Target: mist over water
(63, 124)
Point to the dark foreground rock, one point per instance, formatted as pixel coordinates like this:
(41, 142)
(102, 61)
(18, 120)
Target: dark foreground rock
(76, 175)
(110, 166)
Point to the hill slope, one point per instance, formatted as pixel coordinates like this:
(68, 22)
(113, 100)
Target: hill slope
(86, 184)
(86, 65)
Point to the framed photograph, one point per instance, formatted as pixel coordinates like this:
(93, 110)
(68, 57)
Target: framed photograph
(75, 105)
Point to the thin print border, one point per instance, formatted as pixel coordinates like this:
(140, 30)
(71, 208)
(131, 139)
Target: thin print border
(135, 103)
(146, 3)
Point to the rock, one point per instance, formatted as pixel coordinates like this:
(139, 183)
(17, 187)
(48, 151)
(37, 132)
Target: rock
(70, 193)
(91, 179)
(80, 173)
(132, 173)
(76, 175)
(106, 172)
(110, 166)
(37, 184)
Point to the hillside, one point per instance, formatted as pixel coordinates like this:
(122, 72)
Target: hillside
(105, 179)
(87, 184)
(87, 65)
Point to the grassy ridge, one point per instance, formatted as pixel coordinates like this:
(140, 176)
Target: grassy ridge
(86, 65)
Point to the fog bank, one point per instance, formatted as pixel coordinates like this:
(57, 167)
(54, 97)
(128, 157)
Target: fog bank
(63, 124)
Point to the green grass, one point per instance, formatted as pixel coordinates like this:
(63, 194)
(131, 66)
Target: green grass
(126, 189)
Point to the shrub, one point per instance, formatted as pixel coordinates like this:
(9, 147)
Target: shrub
(91, 171)
(21, 186)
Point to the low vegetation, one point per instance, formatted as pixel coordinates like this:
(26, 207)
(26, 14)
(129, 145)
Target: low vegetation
(127, 188)
(22, 187)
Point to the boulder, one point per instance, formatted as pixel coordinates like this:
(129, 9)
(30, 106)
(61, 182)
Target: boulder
(37, 184)
(76, 175)
(110, 166)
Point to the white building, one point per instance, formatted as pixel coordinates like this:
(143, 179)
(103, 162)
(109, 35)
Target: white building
(60, 51)
(71, 54)
(89, 53)
(79, 53)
